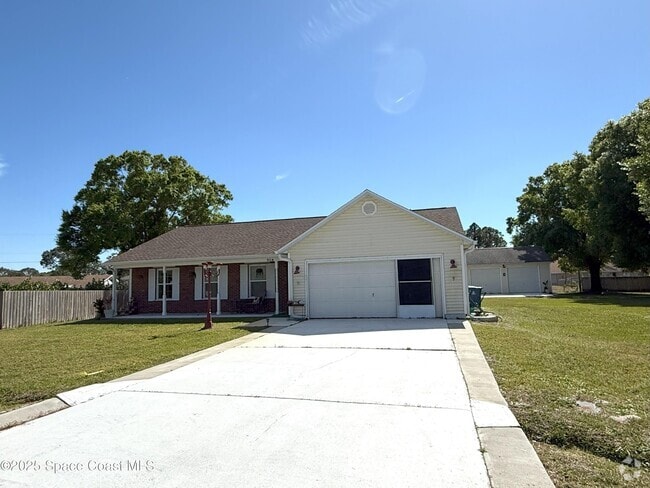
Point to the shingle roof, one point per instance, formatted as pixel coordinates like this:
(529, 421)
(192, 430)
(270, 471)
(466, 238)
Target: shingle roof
(257, 238)
(262, 237)
(508, 255)
(445, 216)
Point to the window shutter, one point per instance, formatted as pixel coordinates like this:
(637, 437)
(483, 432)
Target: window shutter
(243, 281)
(152, 285)
(223, 282)
(175, 284)
(270, 280)
(198, 283)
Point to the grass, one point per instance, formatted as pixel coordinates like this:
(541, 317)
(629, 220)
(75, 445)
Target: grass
(40, 361)
(547, 353)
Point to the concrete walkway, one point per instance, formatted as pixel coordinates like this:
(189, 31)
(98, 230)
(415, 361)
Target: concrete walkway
(321, 403)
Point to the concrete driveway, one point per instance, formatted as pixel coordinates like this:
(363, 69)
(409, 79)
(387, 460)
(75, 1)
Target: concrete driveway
(322, 403)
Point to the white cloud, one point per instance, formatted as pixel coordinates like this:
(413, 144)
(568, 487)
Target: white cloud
(3, 166)
(341, 17)
(281, 177)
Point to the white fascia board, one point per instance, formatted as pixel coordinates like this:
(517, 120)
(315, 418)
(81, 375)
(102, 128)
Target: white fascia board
(157, 263)
(370, 194)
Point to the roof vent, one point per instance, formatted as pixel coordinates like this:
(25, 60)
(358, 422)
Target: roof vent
(369, 208)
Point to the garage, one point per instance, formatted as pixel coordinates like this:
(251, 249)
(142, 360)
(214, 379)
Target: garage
(352, 289)
(524, 279)
(487, 278)
(509, 270)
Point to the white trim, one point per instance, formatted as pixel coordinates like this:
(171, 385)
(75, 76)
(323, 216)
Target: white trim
(393, 258)
(114, 292)
(130, 284)
(277, 288)
(442, 285)
(164, 287)
(158, 263)
(463, 261)
(219, 289)
(370, 194)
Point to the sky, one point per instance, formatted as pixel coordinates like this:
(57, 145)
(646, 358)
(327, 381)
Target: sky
(297, 106)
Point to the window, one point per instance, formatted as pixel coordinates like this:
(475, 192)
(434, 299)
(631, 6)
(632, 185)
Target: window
(257, 280)
(414, 276)
(164, 284)
(213, 284)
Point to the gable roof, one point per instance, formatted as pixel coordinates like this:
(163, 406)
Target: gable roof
(449, 215)
(250, 239)
(508, 255)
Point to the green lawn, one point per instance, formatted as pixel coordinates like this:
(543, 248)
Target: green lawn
(40, 361)
(547, 353)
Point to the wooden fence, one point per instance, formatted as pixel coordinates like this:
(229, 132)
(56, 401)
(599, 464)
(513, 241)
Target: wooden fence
(23, 308)
(621, 283)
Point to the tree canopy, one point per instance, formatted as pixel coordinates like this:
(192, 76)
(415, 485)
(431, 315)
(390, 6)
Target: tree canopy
(587, 211)
(485, 236)
(130, 199)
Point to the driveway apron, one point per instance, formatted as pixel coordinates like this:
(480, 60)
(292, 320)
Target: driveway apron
(364, 403)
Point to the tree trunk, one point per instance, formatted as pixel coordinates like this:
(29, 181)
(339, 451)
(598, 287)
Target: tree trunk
(594, 272)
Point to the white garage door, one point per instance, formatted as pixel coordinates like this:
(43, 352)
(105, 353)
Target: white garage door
(488, 278)
(523, 279)
(352, 289)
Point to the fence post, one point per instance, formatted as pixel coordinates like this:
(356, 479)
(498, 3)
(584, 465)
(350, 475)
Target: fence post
(1, 307)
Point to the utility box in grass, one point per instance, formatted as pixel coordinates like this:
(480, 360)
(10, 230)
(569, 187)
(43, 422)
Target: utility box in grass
(475, 298)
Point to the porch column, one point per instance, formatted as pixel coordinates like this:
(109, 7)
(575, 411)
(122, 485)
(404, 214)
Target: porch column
(164, 293)
(114, 293)
(218, 290)
(130, 284)
(277, 289)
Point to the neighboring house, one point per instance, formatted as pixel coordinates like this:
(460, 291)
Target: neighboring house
(510, 270)
(370, 258)
(68, 281)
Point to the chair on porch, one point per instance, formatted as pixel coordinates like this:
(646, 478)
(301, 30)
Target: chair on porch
(251, 305)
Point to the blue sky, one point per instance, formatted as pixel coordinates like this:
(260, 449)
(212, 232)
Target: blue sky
(297, 106)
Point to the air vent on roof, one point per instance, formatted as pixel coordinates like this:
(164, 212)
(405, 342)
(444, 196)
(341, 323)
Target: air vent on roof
(369, 208)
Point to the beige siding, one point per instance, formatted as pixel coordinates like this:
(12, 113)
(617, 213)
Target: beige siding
(390, 232)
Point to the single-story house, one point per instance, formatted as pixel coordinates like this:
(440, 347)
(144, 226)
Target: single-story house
(66, 281)
(510, 270)
(369, 258)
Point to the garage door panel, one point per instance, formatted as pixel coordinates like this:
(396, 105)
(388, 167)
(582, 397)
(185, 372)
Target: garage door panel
(523, 279)
(488, 278)
(352, 289)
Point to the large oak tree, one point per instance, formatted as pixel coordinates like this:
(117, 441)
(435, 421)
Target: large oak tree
(130, 199)
(586, 211)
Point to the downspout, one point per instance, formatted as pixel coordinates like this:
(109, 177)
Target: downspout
(463, 261)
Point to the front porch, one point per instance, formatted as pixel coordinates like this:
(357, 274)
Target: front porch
(233, 289)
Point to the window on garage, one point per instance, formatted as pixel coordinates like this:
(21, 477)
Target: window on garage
(414, 276)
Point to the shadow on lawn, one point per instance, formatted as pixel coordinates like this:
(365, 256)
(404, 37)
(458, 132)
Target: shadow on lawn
(617, 299)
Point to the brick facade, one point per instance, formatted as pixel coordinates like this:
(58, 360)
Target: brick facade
(186, 302)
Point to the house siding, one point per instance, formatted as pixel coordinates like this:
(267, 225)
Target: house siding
(389, 232)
